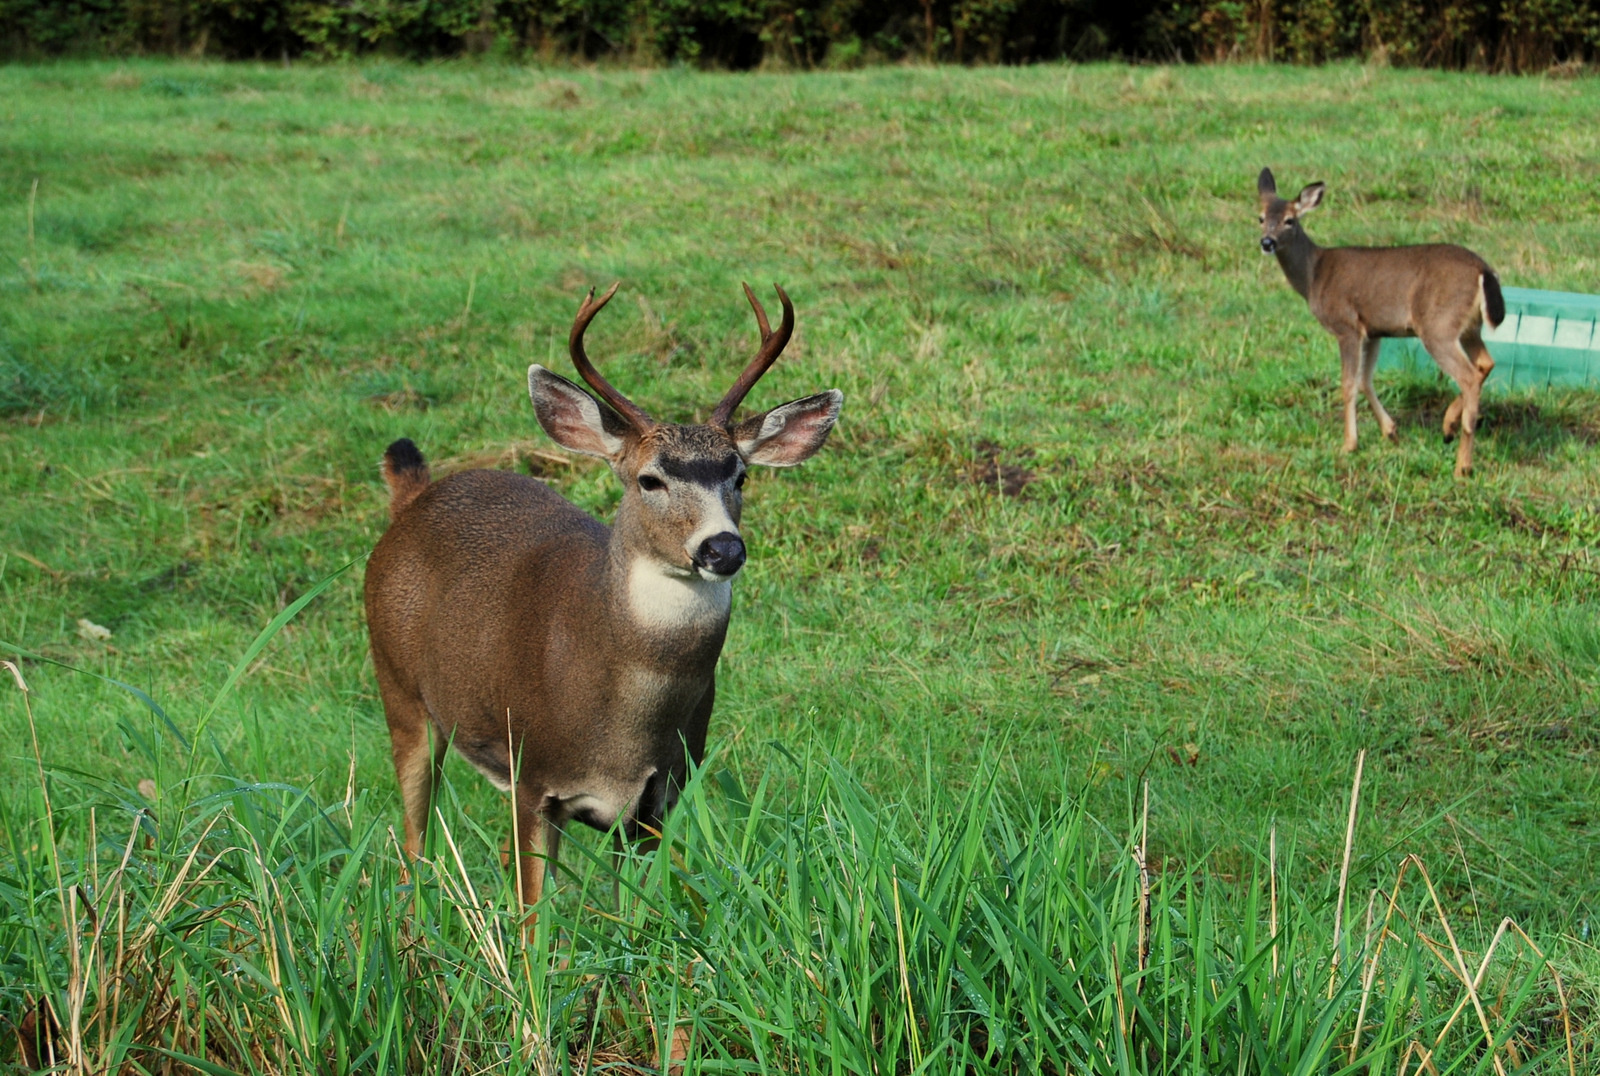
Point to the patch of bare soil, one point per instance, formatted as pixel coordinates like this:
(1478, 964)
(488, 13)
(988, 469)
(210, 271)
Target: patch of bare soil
(990, 470)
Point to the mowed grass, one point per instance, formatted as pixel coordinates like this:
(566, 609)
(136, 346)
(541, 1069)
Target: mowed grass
(1084, 524)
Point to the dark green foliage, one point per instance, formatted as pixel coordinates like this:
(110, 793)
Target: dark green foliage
(1518, 35)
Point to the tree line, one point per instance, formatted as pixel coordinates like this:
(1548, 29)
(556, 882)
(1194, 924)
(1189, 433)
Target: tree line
(1499, 35)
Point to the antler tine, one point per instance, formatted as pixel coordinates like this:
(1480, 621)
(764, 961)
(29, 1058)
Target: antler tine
(620, 403)
(761, 314)
(772, 345)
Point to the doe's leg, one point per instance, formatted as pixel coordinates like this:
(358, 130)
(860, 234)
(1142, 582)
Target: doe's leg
(1452, 359)
(1452, 418)
(1369, 363)
(1479, 353)
(1350, 380)
(1481, 360)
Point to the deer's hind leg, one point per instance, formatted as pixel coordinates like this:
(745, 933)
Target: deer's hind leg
(1479, 352)
(1369, 363)
(1469, 377)
(418, 753)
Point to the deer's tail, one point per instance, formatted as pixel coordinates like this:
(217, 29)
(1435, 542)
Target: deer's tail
(406, 474)
(1490, 300)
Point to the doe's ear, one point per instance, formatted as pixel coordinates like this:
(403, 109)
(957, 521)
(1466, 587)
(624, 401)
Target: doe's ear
(1266, 186)
(791, 433)
(571, 416)
(1310, 197)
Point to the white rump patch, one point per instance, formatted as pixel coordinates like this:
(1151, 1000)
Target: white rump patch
(667, 602)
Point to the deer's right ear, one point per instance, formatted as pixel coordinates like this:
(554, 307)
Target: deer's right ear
(1266, 186)
(1311, 197)
(571, 416)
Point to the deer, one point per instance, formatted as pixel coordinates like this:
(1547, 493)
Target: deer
(1438, 292)
(571, 662)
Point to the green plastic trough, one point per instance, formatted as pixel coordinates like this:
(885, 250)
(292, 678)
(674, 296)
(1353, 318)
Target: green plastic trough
(1549, 338)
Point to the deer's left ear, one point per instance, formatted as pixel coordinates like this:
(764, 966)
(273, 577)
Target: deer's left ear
(789, 434)
(1310, 197)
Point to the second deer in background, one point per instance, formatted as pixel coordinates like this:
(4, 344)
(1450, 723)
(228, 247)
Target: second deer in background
(1440, 293)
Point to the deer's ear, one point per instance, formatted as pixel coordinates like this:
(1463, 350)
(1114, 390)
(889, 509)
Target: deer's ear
(789, 434)
(1310, 197)
(1266, 186)
(572, 418)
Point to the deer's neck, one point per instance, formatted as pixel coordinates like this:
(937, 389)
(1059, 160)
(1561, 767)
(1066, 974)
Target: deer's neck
(660, 601)
(1299, 261)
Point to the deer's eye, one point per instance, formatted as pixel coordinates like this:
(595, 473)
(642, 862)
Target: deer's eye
(1261, 219)
(738, 483)
(651, 484)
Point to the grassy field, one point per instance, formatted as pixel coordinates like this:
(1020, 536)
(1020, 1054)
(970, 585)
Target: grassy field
(1084, 526)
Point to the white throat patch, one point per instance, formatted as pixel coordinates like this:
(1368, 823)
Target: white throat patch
(666, 602)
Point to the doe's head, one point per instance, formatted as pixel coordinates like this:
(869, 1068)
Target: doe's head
(681, 484)
(1280, 219)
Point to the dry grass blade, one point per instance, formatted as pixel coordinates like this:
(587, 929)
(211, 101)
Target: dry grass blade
(1460, 968)
(1142, 858)
(905, 973)
(1272, 902)
(1344, 872)
(1455, 962)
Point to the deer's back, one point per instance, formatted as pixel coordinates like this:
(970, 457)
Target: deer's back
(476, 572)
(1397, 291)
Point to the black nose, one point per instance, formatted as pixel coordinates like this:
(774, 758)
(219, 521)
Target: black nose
(721, 553)
(1268, 244)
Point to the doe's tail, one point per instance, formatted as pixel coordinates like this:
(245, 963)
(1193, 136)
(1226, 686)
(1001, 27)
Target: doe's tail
(406, 474)
(1490, 299)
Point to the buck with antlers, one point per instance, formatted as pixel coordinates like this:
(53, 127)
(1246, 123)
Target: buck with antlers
(1439, 292)
(574, 664)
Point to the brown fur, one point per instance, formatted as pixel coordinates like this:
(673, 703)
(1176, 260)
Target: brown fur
(571, 662)
(485, 647)
(1439, 293)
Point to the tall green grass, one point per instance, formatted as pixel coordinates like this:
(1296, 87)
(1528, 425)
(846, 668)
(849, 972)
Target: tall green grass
(803, 924)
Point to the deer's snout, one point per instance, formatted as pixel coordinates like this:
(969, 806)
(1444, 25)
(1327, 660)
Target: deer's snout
(1268, 244)
(721, 554)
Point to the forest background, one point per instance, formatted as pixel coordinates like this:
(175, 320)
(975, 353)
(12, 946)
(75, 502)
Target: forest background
(1500, 35)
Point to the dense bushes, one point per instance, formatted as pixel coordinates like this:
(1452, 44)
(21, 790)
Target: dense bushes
(1515, 35)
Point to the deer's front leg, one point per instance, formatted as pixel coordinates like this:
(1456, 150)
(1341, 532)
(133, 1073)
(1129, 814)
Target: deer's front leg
(1369, 365)
(1350, 382)
(538, 840)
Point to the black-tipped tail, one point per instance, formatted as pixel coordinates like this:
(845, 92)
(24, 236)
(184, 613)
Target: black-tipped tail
(405, 472)
(1494, 304)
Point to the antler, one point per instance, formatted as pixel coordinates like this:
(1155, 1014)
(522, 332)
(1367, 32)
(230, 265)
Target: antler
(620, 403)
(772, 345)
